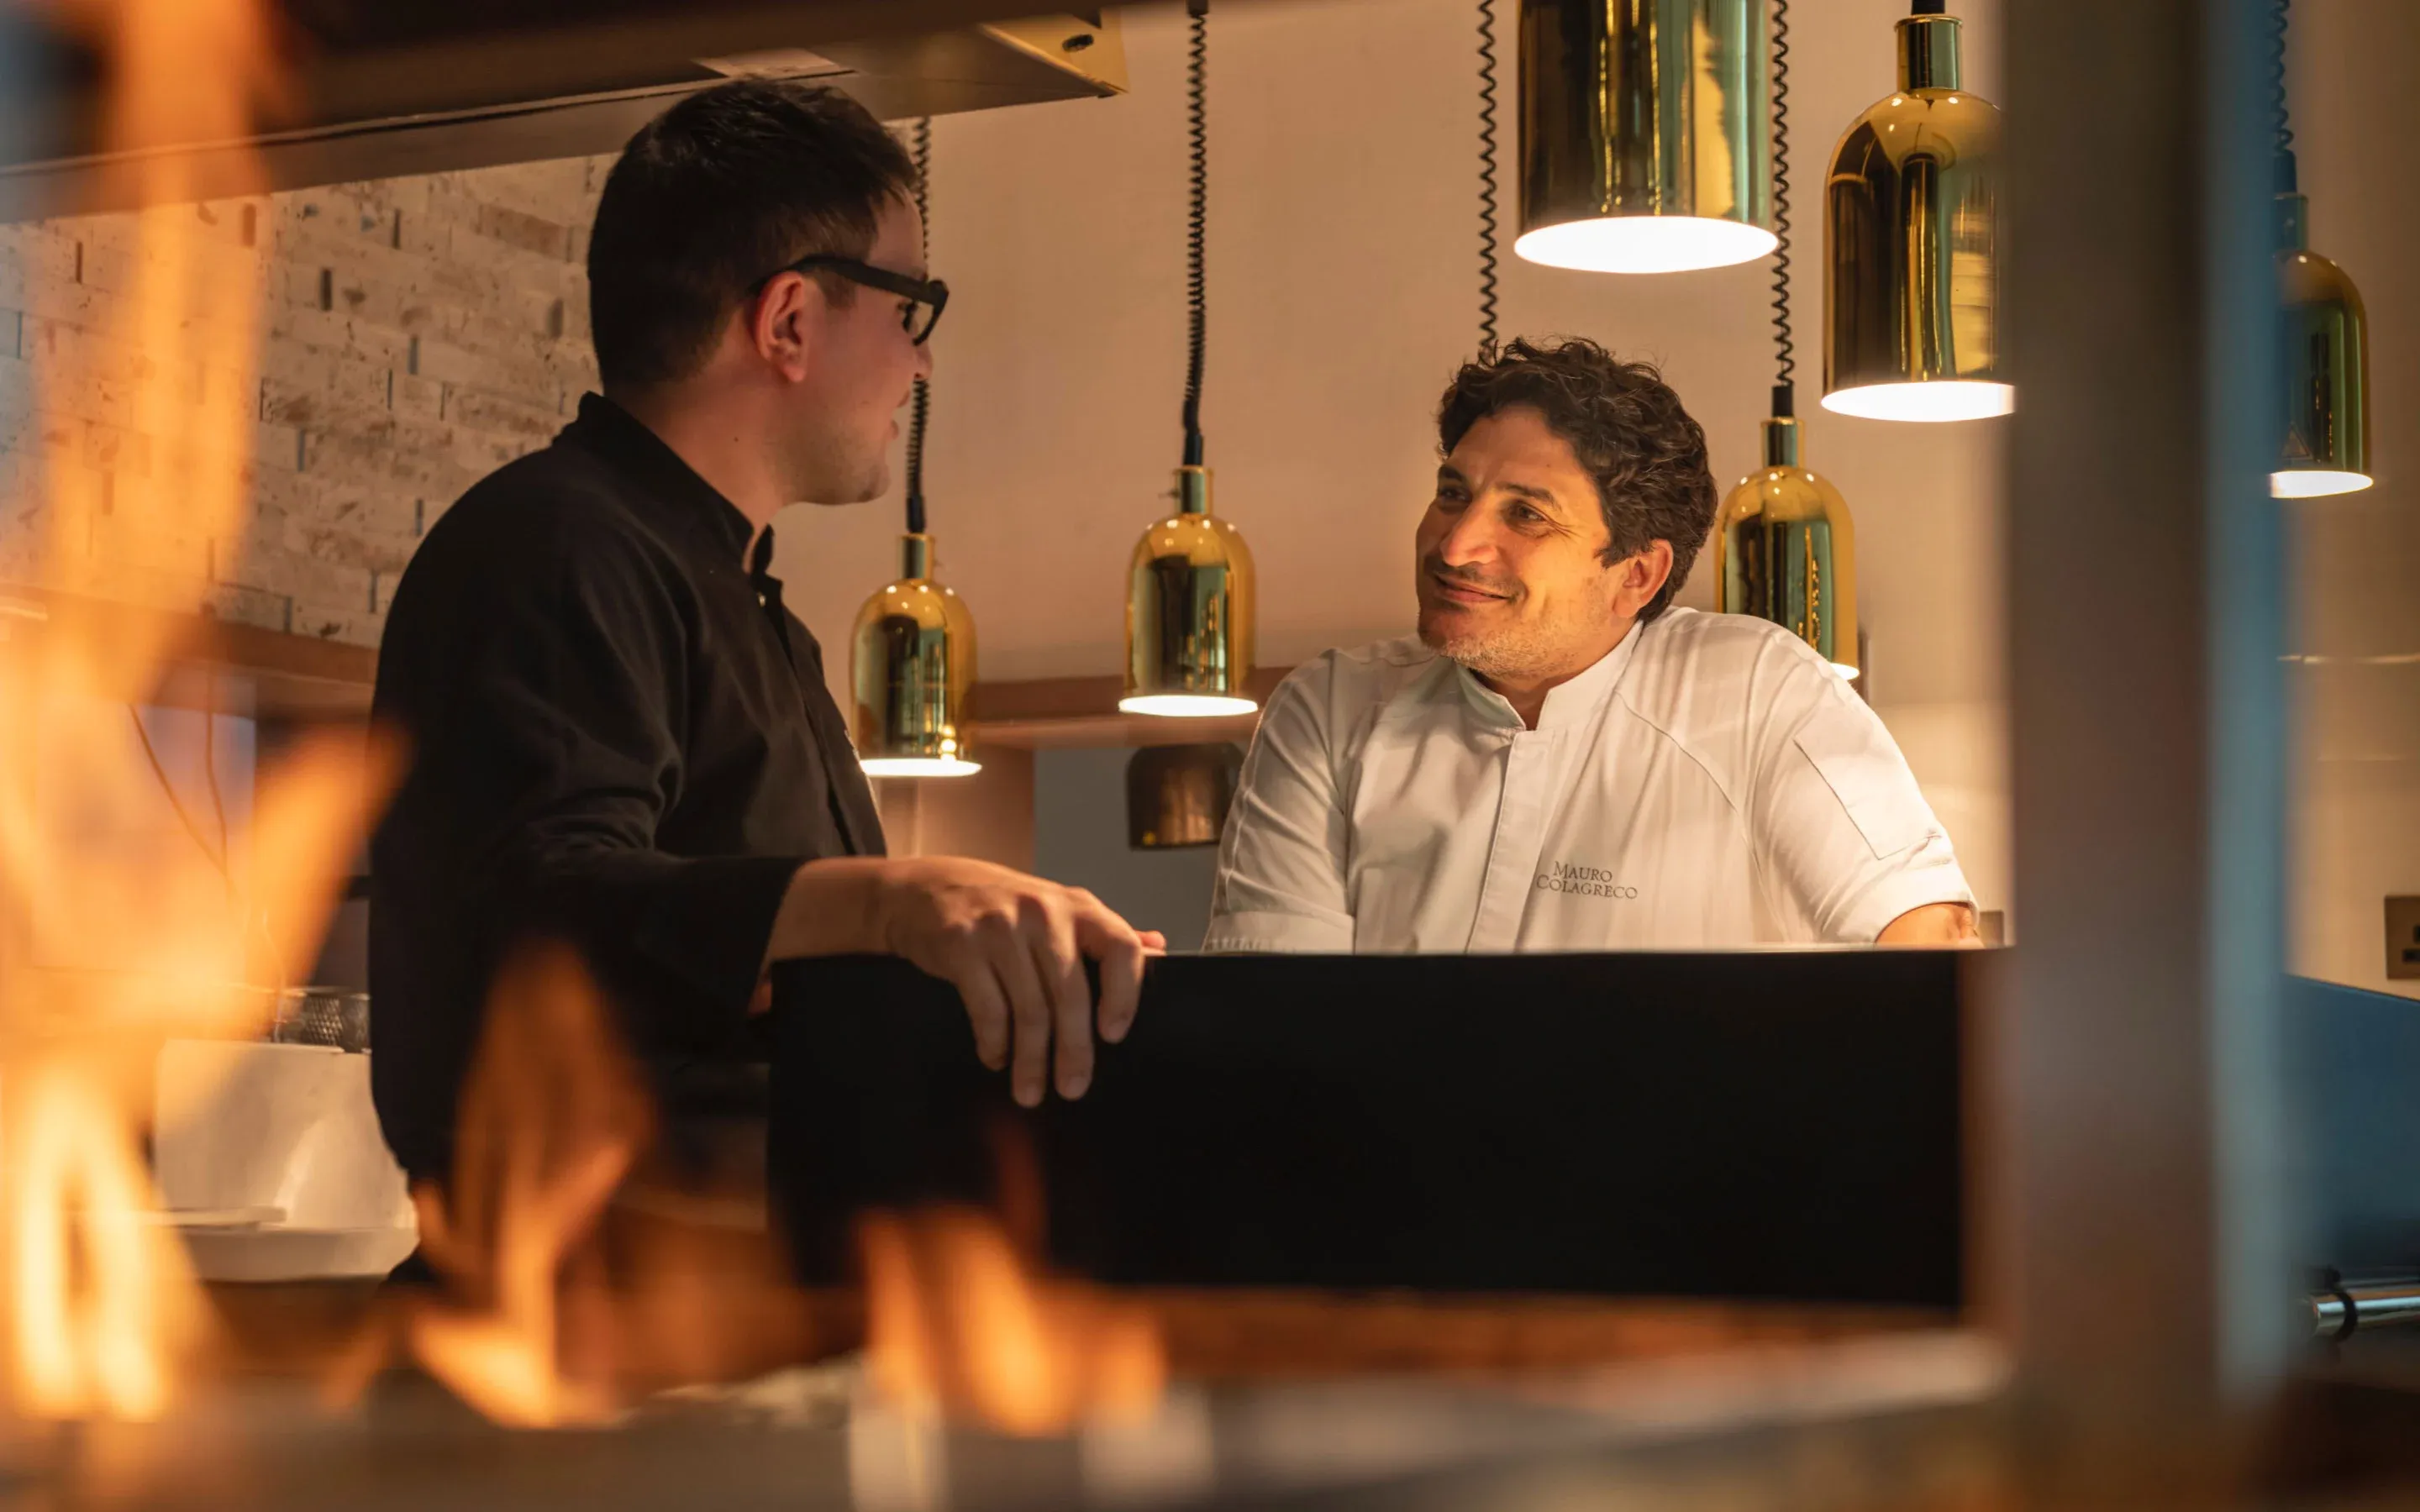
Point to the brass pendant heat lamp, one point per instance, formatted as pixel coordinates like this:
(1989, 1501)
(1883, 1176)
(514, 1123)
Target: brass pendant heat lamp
(913, 656)
(1643, 134)
(1177, 796)
(1912, 282)
(2326, 360)
(2323, 336)
(913, 666)
(1189, 587)
(1189, 612)
(1785, 547)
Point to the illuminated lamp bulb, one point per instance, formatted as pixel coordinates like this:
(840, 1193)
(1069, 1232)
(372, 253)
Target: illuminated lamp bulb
(1644, 244)
(1645, 135)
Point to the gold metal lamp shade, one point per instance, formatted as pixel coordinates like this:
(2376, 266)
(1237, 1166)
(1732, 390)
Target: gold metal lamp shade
(1644, 134)
(1177, 796)
(2326, 367)
(1785, 551)
(1189, 612)
(912, 663)
(1912, 214)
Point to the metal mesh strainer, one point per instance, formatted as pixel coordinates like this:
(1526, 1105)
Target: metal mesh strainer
(324, 1015)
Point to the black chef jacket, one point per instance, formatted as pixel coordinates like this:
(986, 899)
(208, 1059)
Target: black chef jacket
(618, 737)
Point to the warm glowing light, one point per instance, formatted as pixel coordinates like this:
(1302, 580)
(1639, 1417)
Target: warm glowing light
(1944, 400)
(577, 1282)
(99, 1296)
(919, 766)
(1185, 705)
(2314, 482)
(1846, 673)
(957, 1322)
(554, 1114)
(1645, 244)
(159, 927)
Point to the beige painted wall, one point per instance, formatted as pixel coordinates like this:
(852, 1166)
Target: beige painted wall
(1343, 288)
(2357, 815)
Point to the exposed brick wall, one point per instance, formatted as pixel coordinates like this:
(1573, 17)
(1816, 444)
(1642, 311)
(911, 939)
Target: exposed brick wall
(418, 333)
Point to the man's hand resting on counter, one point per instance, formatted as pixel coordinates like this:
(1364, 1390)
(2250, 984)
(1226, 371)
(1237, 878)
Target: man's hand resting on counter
(1012, 944)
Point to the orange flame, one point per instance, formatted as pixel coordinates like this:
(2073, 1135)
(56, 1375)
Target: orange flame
(573, 1284)
(96, 1293)
(959, 1324)
(553, 1118)
(123, 930)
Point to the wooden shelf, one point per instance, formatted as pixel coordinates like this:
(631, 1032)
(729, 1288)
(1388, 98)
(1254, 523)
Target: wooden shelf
(1083, 711)
(237, 669)
(241, 668)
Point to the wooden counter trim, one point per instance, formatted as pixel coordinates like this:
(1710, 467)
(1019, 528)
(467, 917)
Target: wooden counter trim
(273, 675)
(1043, 711)
(237, 669)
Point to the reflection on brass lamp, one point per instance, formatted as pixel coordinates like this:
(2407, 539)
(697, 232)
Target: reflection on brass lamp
(1177, 796)
(912, 657)
(1189, 589)
(2326, 360)
(913, 666)
(1643, 134)
(1785, 549)
(1189, 612)
(2323, 336)
(1911, 281)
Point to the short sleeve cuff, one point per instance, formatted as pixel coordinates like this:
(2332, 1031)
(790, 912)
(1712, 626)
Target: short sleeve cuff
(1886, 899)
(1276, 934)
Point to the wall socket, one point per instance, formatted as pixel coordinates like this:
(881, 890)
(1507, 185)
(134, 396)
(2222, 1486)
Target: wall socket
(2402, 938)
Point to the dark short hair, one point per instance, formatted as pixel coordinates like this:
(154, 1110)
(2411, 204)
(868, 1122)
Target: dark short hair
(1624, 422)
(715, 194)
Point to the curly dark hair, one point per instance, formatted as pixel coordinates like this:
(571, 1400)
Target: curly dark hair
(1624, 424)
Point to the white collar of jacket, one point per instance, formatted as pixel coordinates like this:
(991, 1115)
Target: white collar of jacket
(1576, 701)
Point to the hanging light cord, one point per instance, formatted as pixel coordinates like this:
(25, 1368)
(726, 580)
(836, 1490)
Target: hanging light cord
(2282, 129)
(1486, 177)
(216, 854)
(921, 406)
(1785, 378)
(1197, 222)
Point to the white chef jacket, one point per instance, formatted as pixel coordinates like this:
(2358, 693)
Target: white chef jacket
(1710, 782)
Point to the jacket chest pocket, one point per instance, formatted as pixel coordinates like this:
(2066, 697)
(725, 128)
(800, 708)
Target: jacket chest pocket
(1424, 811)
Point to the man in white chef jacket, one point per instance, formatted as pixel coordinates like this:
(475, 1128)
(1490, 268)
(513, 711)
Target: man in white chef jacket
(1560, 759)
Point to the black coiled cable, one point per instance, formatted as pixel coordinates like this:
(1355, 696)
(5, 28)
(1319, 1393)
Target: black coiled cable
(1785, 380)
(1486, 176)
(1197, 222)
(920, 407)
(2281, 129)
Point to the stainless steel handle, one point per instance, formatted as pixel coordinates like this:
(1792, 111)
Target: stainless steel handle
(2340, 1312)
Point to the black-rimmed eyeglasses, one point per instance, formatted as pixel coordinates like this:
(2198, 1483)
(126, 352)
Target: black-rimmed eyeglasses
(926, 297)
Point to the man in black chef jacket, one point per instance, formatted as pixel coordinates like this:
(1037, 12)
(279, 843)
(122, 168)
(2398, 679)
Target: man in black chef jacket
(618, 737)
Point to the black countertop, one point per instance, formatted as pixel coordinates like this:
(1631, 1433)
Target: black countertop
(1783, 1125)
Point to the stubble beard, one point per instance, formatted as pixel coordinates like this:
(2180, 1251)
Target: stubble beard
(1512, 651)
(834, 469)
(1519, 652)
(1509, 649)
